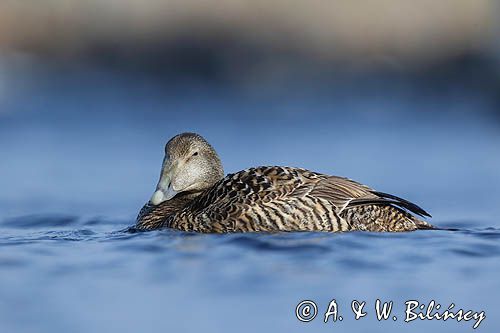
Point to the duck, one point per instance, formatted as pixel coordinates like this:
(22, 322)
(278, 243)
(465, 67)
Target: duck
(194, 195)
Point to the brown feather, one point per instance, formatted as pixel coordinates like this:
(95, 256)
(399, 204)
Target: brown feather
(283, 199)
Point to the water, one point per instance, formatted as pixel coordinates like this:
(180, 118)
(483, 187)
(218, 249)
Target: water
(81, 152)
(63, 273)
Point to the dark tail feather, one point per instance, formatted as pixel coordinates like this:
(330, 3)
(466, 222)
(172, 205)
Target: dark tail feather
(402, 203)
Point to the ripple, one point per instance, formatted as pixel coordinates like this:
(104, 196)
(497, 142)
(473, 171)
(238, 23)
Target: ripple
(35, 221)
(487, 233)
(39, 221)
(71, 235)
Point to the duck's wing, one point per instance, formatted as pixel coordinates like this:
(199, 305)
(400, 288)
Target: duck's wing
(280, 182)
(270, 193)
(345, 193)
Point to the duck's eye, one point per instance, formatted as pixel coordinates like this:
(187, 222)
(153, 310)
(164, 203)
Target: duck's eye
(195, 153)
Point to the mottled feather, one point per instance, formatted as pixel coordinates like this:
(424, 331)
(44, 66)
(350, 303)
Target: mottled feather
(284, 199)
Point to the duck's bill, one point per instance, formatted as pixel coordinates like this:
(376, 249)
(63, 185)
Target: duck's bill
(164, 189)
(161, 195)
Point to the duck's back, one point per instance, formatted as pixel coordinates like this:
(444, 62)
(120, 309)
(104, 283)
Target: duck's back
(291, 199)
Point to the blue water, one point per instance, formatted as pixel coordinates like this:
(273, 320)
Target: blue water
(81, 153)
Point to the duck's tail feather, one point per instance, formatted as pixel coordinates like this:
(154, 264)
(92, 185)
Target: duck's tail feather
(397, 201)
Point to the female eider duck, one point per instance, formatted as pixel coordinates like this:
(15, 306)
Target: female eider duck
(193, 195)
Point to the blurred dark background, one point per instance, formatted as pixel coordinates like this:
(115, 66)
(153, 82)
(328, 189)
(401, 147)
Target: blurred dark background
(402, 95)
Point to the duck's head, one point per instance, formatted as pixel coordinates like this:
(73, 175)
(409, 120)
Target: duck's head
(190, 165)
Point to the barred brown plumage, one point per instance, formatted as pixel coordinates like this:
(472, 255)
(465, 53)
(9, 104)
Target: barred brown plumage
(193, 195)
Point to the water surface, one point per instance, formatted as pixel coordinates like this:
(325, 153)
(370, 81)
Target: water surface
(64, 273)
(81, 152)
